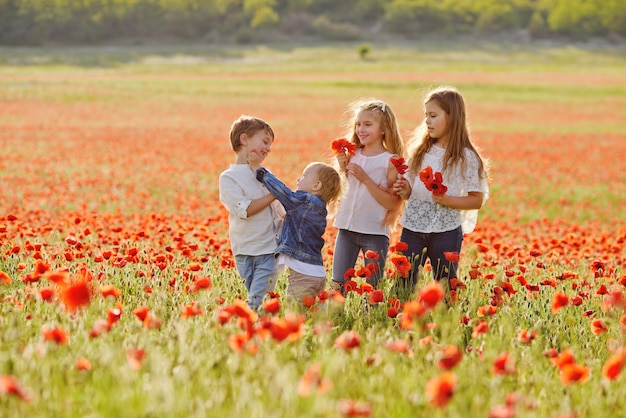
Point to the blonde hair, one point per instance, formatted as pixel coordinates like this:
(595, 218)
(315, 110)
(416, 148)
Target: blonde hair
(331, 181)
(248, 125)
(420, 142)
(392, 139)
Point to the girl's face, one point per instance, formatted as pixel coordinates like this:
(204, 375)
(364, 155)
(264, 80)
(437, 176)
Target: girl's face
(368, 128)
(436, 120)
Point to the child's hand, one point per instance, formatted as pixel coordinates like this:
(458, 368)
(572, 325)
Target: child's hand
(402, 188)
(343, 160)
(440, 199)
(357, 171)
(254, 159)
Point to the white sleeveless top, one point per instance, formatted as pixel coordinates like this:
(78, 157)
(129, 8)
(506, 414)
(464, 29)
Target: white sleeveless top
(358, 210)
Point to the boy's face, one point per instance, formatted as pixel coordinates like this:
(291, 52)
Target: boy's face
(308, 182)
(260, 143)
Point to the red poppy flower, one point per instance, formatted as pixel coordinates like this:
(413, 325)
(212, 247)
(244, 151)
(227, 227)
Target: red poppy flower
(439, 390)
(426, 175)
(376, 296)
(288, 328)
(308, 301)
(402, 264)
(526, 337)
(614, 365)
(481, 328)
(364, 272)
(135, 357)
(350, 285)
(399, 346)
(563, 358)
(9, 385)
(271, 305)
(449, 357)
(60, 277)
(342, 145)
(312, 382)
(372, 255)
(76, 295)
(598, 326)
(5, 278)
(348, 340)
(399, 164)
(573, 372)
(110, 290)
(46, 294)
(433, 181)
(323, 296)
(192, 309)
(201, 283)
(399, 247)
(56, 334)
(141, 312)
(503, 364)
(559, 300)
(83, 364)
(431, 294)
(451, 256)
(350, 273)
(99, 327)
(352, 408)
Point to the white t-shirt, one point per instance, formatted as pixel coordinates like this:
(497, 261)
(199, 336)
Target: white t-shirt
(259, 233)
(421, 214)
(358, 210)
(300, 266)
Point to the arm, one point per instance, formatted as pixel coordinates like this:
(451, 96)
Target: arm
(257, 205)
(277, 188)
(342, 160)
(383, 196)
(473, 200)
(237, 202)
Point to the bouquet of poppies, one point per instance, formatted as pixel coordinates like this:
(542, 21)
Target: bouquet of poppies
(400, 165)
(342, 145)
(433, 181)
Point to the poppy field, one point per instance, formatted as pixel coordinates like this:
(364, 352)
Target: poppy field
(119, 294)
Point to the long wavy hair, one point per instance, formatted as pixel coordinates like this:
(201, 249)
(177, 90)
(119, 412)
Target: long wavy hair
(420, 142)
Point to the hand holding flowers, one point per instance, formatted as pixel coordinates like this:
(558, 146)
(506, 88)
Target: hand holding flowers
(433, 181)
(343, 146)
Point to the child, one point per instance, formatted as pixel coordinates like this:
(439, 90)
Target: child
(368, 209)
(301, 241)
(254, 217)
(433, 225)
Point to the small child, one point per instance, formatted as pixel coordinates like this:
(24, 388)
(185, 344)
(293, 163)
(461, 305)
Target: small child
(254, 216)
(301, 240)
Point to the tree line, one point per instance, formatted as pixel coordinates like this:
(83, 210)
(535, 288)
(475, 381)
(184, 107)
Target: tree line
(32, 22)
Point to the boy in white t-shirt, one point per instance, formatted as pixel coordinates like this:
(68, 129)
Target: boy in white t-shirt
(254, 215)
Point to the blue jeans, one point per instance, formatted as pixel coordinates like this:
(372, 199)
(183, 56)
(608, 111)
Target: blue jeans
(259, 274)
(432, 245)
(347, 248)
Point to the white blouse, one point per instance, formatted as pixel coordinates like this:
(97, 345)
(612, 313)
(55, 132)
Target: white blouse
(422, 214)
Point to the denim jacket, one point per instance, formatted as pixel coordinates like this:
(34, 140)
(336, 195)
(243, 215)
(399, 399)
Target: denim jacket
(305, 221)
